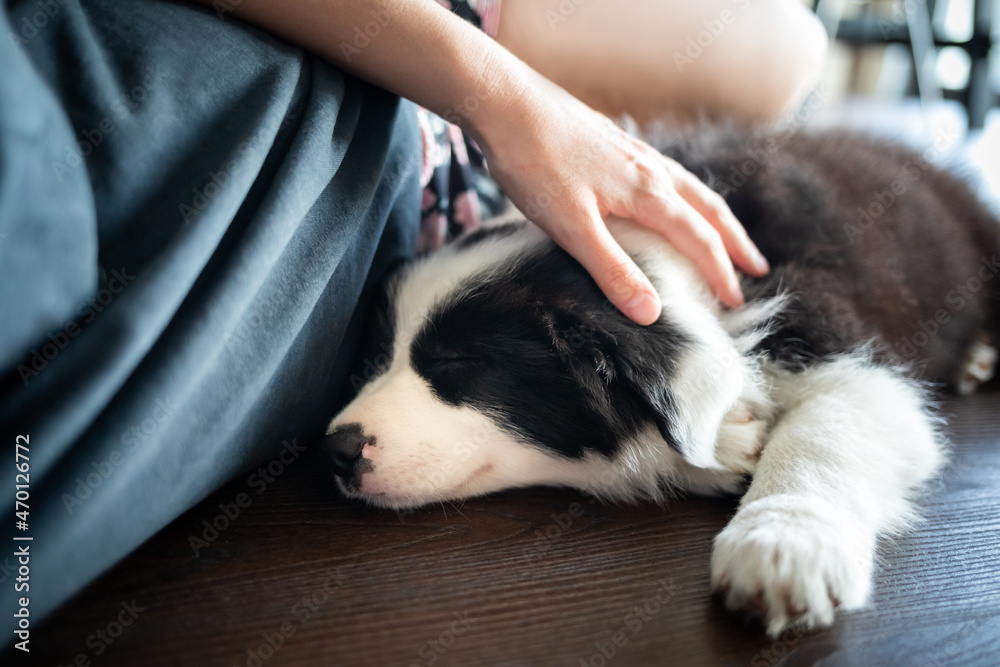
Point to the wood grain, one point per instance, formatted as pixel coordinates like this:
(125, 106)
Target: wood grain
(535, 584)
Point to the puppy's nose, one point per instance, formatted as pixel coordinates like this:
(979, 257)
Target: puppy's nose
(343, 446)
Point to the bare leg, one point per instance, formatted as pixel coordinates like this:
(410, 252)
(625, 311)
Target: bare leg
(655, 58)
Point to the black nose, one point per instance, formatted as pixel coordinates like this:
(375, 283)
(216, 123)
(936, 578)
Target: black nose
(343, 446)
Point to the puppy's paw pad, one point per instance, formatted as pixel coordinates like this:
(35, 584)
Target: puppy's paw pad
(792, 561)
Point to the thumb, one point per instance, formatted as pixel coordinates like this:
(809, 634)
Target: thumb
(625, 285)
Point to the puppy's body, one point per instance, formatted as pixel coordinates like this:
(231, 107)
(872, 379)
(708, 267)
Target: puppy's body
(876, 244)
(509, 368)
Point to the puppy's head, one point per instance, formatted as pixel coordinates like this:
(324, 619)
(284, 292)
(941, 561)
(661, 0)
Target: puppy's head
(505, 366)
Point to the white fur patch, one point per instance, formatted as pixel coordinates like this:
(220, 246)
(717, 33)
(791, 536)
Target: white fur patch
(852, 445)
(793, 558)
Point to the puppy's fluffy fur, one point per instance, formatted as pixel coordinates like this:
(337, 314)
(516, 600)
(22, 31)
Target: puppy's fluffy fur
(503, 365)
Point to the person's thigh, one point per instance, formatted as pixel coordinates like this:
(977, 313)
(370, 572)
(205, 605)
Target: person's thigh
(245, 197)
(651, 58)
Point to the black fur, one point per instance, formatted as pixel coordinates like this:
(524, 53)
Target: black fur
(548, 358)
(874, 244)
(375, 347)
(491, 232)
(542, 352)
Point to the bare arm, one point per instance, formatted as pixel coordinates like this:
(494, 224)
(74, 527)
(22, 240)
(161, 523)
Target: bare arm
(416, 49)
(560, 162)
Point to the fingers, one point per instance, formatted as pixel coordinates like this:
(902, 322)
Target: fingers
(695, 219)
(713, 208)
(688, 231)
(616, 274)
(602, 170)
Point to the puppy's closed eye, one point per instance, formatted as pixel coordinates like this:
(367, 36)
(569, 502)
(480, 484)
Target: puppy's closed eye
(442, 359)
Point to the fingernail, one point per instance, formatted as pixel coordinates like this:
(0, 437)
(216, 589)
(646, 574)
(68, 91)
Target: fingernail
(644, 307)
(735, 299)
(760, 263)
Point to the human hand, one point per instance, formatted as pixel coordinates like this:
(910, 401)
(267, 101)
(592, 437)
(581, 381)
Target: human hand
(537, 138)
(549, 148)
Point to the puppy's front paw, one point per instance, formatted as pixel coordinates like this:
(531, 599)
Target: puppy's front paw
(793, 560)
(737, 446)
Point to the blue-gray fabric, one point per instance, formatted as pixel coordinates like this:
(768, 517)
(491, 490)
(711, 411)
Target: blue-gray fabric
(191, 212)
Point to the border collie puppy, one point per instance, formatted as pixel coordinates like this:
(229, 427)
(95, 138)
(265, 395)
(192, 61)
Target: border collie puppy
(505, 366)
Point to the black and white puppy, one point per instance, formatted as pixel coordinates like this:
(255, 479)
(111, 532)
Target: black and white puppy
(505, 366)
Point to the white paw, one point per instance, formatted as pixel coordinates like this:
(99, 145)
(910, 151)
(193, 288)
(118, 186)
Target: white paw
(978, 365)
(738, 443)
(793, 560)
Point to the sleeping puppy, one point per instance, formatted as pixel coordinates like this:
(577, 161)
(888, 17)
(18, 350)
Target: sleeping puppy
(504, 365)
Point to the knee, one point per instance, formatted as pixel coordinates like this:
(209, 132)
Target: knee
(797, 58)
(767, 63)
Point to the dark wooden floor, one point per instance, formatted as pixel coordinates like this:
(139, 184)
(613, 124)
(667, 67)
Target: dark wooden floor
(502, 581)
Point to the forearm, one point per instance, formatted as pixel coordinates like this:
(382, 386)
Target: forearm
(416, 49)
(558, 160)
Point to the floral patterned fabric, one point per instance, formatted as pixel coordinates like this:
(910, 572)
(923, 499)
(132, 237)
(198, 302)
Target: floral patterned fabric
(457, 190)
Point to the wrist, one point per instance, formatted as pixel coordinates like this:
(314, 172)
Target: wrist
(502, 102)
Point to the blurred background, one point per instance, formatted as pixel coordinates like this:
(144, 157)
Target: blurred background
(920, 70)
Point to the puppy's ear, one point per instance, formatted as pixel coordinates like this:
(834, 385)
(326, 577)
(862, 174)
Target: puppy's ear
(627, 370)
(584, 344)
(657, 373)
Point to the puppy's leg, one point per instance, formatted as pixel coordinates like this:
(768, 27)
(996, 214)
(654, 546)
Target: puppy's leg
(851, 447)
